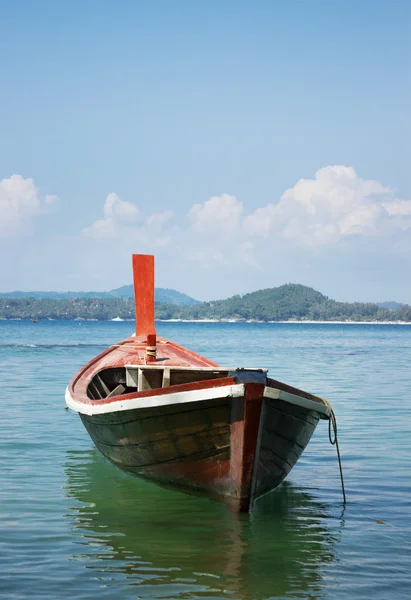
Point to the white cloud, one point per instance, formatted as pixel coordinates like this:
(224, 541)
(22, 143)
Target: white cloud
(118, 214)
(315, 214)
(308, 223)
(332, 206)
(219, 212)
(19, 203)
(213, 232)
(401, 208)
(122, 221)
(346, 236)
(335, 222)
(119, 210)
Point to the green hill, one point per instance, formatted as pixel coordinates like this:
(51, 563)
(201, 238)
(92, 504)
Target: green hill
(287, 302)
(53, 295)
(284, 303)
(163, 295)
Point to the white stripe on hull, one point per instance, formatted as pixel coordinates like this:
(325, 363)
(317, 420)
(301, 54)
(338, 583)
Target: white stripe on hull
(213, 393)
(228, 391)
(275, 394)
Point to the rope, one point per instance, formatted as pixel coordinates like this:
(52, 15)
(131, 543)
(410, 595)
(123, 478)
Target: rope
(332, 421)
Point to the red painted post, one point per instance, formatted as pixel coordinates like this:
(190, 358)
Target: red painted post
(143, 274)
(151, 348)
(244, 435)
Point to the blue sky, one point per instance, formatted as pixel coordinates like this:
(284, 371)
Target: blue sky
(245, 144)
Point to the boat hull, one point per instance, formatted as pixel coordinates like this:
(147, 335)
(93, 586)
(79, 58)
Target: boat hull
(234, 449)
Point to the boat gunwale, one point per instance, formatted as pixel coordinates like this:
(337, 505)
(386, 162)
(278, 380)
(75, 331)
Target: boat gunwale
(185, 393)
(160, 391)
(285, 389)
(303, 402)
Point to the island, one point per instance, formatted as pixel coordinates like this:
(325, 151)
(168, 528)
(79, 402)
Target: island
(289, 302)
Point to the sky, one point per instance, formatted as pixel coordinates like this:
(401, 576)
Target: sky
(244, 144)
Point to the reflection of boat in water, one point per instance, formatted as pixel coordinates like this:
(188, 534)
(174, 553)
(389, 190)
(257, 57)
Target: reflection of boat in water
(175, 545)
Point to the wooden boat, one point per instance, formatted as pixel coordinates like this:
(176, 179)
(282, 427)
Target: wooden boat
(160, 411)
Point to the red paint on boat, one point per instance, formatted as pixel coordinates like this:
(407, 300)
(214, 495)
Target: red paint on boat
(78, 391)
(143, 274)
(244, 434)
(132, 351)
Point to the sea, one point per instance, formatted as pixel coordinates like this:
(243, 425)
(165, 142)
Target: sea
(73, 526)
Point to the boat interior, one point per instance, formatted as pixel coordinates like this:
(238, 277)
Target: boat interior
(130, 379)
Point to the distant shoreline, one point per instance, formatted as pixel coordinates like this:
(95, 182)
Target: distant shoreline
(288, 303)
(292, 321)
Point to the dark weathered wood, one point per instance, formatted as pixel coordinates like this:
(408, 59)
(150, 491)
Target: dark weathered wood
(133, 457)
(150, 379)
(156, 428)
(166, 437)
(101, 385)
(271, 471)
(292, 427)
(293, 411)
(286, 431)
(119, 389)
(152, 419)
(178, 377)
(226, 448)
(205, 474)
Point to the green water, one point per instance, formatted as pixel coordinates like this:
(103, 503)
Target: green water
(73, 526)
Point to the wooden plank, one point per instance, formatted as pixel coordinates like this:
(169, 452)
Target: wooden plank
(166, 377)
(120, 389)
(179, 377)
(95, 391)
(149, 380)
(271, 471)
(206, 472)
(140, 380)
(101, 383)
(132, 377)
(295, 413)
(286, 451)
(166, 450)
(140, 415)
(159, 427)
